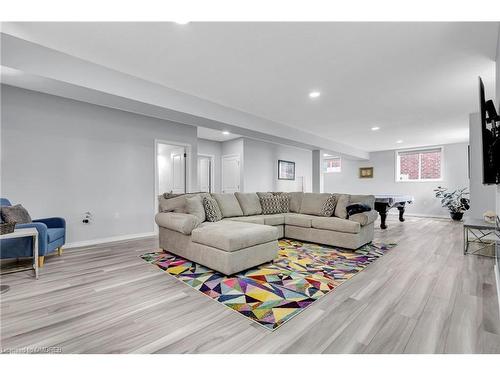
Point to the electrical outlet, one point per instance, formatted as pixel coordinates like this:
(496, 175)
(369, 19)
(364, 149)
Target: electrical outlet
(87, 218)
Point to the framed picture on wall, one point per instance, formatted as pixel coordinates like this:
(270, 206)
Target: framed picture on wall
(286, 170)
(366, 172)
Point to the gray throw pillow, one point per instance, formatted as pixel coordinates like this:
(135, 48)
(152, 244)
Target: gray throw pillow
(343, 201)
(194, 206)
(212, 210)
(272, 204)
(329, 206)
(17, 214)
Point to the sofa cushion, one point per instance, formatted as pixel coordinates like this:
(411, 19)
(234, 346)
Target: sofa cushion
(299, 220)
(228, 205)
(54, 234)
(194, 206)
(183, 223)
(230, 235)
(212, 210)
(276, 219)
(175, 202)
(365, 218)
(249, 203)
(313, 203)
(16, 213)
(256, 219)
(295, 201)
(336, 224)
(343, 201)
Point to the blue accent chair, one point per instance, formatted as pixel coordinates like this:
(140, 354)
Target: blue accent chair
(51, 237)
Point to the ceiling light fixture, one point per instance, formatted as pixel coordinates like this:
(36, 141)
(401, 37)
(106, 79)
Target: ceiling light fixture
(314, 94)
(399, 141)
(327, 155)
(376, 128)
(181, 22)
(225, 132)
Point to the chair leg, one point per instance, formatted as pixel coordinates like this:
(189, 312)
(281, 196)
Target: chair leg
(59, 250)
(40, 261)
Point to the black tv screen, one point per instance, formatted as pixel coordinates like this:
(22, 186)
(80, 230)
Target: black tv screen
(490, 129)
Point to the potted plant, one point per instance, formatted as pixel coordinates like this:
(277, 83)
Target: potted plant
(456, 201)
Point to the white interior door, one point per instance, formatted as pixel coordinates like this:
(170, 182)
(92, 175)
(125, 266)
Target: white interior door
(230, 173)
(178, 171)
(204, 173)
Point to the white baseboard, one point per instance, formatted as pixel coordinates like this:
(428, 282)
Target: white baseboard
(497, 277)
(109, 239)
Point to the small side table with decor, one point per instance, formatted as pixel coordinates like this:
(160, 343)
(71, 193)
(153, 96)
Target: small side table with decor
(481, 232)
(25, 232)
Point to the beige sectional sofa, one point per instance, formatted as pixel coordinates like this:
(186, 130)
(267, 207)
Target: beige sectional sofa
(245, 237)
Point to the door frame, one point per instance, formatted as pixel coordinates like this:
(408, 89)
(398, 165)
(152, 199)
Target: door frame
(187, 172)
(212, 171)
(222, 171)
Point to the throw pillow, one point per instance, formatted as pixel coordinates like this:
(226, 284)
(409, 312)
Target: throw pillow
(357, 208)
(329, 206)
(286, 199)
(194, 206)
(343, 201)
(271, 204)
(212, 210)
(17, 214)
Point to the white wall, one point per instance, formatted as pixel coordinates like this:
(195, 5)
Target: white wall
(212, 148)
(62, 157)
(384, 180)
(261, 167)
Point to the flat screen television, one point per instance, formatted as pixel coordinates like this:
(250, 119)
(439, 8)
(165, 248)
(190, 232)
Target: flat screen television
(490, 130)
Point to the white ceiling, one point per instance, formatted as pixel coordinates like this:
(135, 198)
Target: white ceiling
(215, 135)
(416, 81)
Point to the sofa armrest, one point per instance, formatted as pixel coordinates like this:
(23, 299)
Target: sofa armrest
(364, 218)
(42, 235)
(179, 222)
(52, 222)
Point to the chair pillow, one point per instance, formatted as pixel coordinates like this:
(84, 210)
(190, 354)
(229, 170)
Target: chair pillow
(228, 205)
(17, 214)
(272, 204)
(249, 202)
(357, 208)
(194, 206)
(212, 210)
(329, 206)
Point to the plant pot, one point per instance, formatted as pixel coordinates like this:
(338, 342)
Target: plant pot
(457, 216)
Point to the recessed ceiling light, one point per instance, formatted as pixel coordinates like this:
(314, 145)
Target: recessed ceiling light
(326, 155)
(225, 132)
(374, 128)
(399, 141)
(181, 22)
(314, 94)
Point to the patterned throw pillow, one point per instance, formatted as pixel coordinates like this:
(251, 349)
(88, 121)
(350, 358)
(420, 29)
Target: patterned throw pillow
(329, 206)
(271, 204)
(212, 210)
(286, 199)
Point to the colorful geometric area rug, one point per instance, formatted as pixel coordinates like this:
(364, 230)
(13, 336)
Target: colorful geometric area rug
(273, 293)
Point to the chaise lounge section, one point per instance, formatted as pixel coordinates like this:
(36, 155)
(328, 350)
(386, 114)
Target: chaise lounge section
(247, 237)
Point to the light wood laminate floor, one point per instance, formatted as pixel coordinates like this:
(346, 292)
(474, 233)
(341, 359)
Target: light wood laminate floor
(424, 296)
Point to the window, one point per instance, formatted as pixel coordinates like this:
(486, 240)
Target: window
(419, 165)
(332, 165)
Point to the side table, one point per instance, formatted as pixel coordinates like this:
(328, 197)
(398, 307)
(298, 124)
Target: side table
(25, 232)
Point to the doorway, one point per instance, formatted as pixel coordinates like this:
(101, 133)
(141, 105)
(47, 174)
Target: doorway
(206, 173)
(171, 168)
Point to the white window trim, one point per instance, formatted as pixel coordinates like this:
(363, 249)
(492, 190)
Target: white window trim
(420, 149)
